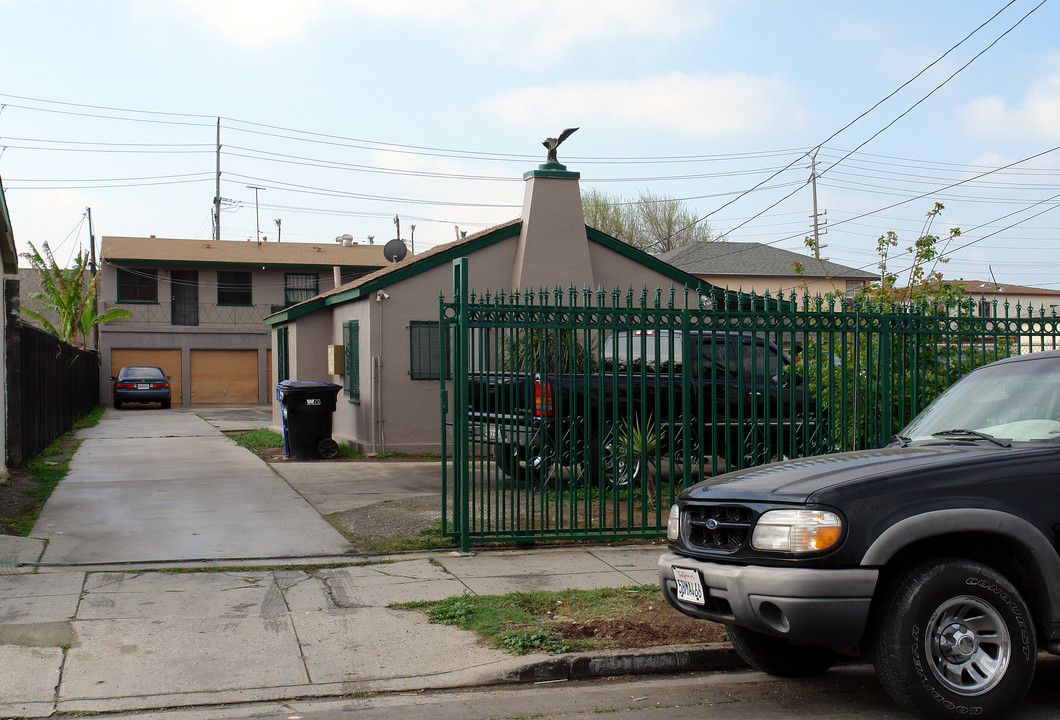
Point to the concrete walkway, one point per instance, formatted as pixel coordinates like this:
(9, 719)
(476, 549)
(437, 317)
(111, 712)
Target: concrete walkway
(268, 605)
(150, 485)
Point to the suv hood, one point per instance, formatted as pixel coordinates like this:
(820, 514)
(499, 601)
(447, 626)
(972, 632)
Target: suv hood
(796, 480)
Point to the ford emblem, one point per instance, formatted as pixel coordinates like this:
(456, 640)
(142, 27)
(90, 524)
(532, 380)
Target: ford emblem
(712, 524)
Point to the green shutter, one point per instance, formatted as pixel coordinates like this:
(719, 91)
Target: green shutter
(350, 338)
(283, 359)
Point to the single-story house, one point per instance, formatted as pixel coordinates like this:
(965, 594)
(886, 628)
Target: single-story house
(752, 267)
(385, 324)
(991, 298)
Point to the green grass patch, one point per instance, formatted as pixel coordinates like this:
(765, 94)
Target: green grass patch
(257, 440)
(346, 451)
(43, 473)
(91, 419)
(522, 622)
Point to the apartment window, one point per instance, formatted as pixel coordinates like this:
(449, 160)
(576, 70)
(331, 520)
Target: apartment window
(986, 308)
(137, 286)
(351, 341)
(299, 286)
(426, 351)
(233, 288)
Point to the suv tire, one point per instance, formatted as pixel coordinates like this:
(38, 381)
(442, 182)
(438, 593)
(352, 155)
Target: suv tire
(954, 639)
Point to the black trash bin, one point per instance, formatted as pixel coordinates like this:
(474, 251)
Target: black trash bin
(307, 409)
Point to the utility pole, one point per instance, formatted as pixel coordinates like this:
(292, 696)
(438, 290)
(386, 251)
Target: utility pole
(817, 222)
(257, 215)
(217, 192)
(92, 277)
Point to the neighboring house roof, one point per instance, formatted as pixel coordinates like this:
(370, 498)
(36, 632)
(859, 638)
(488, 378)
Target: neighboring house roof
(458, 248)
(978, 287)
(719, 257)
(29, 282)
(7, 236)
(229, 252)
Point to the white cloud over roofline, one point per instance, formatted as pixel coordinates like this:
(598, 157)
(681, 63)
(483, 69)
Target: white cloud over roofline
(1032, 119)
(704, 105)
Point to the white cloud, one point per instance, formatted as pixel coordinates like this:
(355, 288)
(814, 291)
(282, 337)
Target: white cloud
(1034, 119)
(255, 22)
(537, 31)
(705, 104)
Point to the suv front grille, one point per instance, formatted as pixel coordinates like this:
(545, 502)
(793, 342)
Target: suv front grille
(718, 527)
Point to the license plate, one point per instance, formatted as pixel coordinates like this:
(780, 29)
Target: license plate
(143, 386)
(487, 433)
(689, 588)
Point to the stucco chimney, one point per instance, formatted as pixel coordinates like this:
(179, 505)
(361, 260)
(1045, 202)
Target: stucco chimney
(553, 248)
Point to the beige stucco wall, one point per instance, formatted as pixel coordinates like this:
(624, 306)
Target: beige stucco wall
(775, 284)
(397, 414)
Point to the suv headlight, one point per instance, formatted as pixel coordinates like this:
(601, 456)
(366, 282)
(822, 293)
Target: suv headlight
(673, 524)
(797, 530)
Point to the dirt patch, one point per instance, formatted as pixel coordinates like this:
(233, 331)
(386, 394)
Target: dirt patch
(16, 498)
(647, 622)
(392, 518)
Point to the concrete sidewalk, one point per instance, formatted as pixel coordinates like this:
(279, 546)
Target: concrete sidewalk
(104, 641)
(268, 603)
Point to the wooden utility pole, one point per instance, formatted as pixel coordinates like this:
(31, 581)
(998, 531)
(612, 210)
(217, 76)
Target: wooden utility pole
(217, 193)
(92, 278)
(817, 223)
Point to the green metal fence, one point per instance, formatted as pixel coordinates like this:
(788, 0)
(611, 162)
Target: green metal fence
(581, 415)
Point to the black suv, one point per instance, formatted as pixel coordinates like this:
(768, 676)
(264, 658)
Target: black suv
(935, 557)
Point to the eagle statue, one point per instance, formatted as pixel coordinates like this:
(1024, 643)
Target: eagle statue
(553, 143)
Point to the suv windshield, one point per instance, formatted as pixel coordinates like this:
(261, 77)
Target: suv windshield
(1018, 401)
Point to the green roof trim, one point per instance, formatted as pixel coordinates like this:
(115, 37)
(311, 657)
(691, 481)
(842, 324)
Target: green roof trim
(402, 272)
(458, 250)
(552, 170)
(680, 277)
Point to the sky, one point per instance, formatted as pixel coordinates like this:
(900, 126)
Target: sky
(349, 113)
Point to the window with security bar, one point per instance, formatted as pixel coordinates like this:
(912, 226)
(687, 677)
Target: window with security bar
(298, 287)
(425, 350)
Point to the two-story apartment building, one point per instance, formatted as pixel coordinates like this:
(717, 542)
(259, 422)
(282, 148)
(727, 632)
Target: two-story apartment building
(198, 307)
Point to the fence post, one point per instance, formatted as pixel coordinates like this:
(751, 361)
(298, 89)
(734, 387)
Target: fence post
(461, 469)
(887, 372)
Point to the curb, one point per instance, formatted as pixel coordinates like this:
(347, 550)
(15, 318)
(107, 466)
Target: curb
(665, 659)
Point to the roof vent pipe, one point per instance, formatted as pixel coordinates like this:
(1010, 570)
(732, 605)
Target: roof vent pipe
(338, 275)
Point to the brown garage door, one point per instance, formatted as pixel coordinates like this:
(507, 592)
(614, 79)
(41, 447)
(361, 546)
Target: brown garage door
(224, 377)
(168, 360)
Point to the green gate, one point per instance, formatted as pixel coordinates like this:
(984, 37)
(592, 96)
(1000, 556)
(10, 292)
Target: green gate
(580, 415)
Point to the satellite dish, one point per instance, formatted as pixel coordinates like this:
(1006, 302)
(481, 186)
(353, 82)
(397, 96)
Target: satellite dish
(395, 250)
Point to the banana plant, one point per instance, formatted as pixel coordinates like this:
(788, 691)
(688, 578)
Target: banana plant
(70, 295)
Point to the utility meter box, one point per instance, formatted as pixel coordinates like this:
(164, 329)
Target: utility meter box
(336, 360)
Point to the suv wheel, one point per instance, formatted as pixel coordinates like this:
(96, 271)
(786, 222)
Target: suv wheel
(779, 657)
(954, 639)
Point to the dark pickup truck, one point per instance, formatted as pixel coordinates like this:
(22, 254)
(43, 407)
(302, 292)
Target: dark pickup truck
(743, 404)
(936, 557)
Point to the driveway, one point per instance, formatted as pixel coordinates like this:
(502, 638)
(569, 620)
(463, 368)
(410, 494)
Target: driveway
(157, 485)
